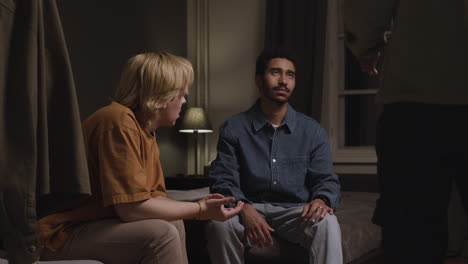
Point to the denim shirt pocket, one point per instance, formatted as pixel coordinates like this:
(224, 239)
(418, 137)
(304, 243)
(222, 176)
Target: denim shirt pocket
(294, 170)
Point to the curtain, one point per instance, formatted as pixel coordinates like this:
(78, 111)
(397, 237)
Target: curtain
(299, 26)
(42, 156)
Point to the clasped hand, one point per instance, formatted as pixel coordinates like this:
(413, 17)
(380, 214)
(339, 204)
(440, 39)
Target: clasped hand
(212, 207)
(368, 63)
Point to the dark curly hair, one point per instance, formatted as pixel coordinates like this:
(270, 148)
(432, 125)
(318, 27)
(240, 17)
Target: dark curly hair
(264, 58)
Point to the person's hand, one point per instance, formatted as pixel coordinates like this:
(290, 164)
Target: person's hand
(212, 207)
(368, 63)
(315, 210)
(256, 228)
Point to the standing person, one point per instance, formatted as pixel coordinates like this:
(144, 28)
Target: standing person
(128, 219)
(422, 142)
(278, 162)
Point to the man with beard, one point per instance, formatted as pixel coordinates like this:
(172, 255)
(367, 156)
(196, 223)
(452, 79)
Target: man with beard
(278, 162)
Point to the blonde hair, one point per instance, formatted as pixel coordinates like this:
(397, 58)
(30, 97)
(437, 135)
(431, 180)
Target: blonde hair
(150, 80)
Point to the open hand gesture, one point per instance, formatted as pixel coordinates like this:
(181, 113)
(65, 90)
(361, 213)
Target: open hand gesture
(212, 207)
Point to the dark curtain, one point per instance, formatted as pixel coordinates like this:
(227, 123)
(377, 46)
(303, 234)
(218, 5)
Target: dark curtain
(299, 26)
(42, 156)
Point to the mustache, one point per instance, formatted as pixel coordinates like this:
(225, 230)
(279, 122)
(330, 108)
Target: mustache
(281, 88)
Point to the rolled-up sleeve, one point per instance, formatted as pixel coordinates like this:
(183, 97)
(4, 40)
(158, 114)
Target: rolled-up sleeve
(121, 171)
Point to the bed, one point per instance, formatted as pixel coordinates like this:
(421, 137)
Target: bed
(360, 237)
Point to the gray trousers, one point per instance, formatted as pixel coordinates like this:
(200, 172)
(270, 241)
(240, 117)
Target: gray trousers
(151, 241)
(227, 241)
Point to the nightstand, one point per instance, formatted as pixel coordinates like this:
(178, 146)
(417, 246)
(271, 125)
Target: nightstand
(194, 230)
(186, 182)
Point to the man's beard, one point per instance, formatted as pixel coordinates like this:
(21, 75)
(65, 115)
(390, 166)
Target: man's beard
(279, 101)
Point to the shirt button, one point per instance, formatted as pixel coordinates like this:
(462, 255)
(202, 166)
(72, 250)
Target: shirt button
(275, 182)
(274, 160)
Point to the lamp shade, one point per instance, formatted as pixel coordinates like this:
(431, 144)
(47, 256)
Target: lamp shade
(195, 121)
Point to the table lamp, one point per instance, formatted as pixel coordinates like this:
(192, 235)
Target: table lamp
(195, 121)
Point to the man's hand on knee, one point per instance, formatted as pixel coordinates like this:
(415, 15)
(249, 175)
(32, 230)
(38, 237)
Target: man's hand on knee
(256, 228)
(316, 210)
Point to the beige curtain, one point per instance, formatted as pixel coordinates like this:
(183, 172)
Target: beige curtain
(41, 146)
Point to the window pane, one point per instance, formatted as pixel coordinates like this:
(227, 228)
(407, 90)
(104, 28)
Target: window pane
(361, 114)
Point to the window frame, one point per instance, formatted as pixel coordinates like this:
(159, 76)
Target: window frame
(346, 159)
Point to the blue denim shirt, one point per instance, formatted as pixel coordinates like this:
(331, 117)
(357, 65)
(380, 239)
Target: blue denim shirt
(289, 166)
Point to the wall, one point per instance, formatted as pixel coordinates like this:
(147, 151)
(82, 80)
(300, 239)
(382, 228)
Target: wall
(236, 35)
(102, 35)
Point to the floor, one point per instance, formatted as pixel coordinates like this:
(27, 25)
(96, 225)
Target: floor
(379, 260)
(456, 261)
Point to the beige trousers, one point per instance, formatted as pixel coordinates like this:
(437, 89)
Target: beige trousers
(113, 242)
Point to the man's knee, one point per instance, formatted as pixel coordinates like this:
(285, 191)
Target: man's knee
(331, 221)
(329, 225)
(222, 230)
(215, 228)
(161, 233)
(150, 241)
(225, 241)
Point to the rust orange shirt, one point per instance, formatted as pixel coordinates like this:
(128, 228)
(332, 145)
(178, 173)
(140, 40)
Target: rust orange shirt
(124, 166)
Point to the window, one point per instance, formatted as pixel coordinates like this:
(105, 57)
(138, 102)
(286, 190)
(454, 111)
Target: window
(350, 113)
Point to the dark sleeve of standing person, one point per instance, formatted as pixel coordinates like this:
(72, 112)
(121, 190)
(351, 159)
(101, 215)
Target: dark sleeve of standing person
(365, 22)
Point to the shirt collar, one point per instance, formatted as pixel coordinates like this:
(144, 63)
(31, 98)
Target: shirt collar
(259, 120)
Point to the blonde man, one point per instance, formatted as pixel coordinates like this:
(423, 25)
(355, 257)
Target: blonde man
(128, 219)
